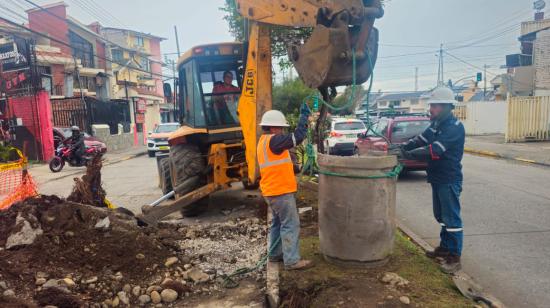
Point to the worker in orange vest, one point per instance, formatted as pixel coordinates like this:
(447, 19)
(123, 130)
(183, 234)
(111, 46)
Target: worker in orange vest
(278, 185)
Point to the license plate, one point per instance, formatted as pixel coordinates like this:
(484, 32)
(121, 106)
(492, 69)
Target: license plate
(164, 148)
(351, 135)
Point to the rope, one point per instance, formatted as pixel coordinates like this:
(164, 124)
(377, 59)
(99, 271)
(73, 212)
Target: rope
(392, 174)
(230, 283)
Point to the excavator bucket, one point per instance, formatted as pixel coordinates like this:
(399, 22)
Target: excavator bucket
(326, 58)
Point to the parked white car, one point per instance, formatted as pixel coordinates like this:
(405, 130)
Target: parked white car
(343, 134)
(157, 140)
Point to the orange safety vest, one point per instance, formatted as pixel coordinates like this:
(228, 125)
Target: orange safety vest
(276, 171)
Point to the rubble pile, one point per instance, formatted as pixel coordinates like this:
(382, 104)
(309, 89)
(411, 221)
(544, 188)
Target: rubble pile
(226, 247)
(65, 254)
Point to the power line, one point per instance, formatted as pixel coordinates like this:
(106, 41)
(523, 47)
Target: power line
(106, 12)
(484, 68)
(75, 48)
(408, 54)
(65, 20)
(514, 17)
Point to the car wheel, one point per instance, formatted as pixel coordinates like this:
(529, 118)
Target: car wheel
(151, 153)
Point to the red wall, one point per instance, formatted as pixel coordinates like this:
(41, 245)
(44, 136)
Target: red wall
(36, 115)
(55, 27)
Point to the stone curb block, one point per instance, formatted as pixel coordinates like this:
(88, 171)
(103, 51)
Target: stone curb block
(501, 156)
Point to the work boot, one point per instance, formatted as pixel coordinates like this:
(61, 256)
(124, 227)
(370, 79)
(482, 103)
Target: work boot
(276, 259)
(438, 252)
(300, 265)
(451, 264)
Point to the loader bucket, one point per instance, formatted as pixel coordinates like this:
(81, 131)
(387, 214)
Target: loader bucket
(325, 60)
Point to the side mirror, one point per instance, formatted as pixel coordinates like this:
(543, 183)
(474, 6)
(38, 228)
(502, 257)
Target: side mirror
(149, 133)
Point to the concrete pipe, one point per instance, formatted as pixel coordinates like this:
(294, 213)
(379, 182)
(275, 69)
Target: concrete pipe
(357, 209)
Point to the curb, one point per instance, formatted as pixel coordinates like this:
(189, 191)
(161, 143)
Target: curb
(502, 156)
(463, 276)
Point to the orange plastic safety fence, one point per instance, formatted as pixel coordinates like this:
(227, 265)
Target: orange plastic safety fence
(16, 183)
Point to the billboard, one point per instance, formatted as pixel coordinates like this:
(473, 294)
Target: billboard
(14, 56)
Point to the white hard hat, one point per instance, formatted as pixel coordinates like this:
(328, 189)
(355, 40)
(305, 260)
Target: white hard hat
(274, 118)
(442, 95)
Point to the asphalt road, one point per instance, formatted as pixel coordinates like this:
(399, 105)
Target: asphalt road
(129, 183)
(506, 213)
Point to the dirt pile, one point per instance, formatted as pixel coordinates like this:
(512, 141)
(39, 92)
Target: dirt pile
(61, 253)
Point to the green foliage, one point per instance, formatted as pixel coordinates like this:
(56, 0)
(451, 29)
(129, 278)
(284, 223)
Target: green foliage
(281, 37)
(343, 99)
(289, 95)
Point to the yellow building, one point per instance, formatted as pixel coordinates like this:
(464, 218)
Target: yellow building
(137, 70)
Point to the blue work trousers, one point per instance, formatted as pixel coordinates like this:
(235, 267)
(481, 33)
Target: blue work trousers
(446, 207)
(285, 224)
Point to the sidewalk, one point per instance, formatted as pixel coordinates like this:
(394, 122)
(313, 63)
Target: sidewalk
(41, 172)
(494, 146)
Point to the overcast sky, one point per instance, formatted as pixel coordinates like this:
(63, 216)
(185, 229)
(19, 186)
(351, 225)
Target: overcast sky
(478, 32)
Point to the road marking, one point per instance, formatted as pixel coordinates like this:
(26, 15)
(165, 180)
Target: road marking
(525, 160)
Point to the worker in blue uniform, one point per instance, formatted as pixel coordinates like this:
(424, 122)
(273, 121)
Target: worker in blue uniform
(442, 145)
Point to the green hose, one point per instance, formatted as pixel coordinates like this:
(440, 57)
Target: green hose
(229, 281)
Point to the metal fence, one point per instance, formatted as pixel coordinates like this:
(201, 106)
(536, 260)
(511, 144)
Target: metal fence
(71, 111)
(528, 119)
(83, 113)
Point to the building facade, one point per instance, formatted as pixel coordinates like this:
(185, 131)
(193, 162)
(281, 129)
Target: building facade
(138, 74)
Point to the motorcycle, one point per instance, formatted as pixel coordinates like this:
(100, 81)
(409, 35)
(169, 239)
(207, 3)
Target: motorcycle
(64, 154)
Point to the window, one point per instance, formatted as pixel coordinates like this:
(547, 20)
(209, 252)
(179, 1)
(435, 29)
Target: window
(395, 103)
(382, 104)
(138, 41)
(166, 128)
(220, 99)
(403, 131)
(117, 55)
(414, 101)
(81, 49)
(382, 127)
(144, 63)
(352, 125)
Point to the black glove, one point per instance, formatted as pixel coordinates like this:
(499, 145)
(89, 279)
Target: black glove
(304, 110)
(422, 153)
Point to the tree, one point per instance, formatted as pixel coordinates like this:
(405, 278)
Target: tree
(281, 37)
(344, 98)
(289, 95)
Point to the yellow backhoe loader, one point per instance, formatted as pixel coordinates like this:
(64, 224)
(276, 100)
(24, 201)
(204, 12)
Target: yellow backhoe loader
(225, 88)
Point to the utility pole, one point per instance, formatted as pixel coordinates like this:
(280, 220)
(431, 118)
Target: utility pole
(484, 81)
(177, 40)
(416, 79)
(440, 74)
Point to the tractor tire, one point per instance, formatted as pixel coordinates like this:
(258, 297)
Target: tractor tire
(187, 167)
(165, 180)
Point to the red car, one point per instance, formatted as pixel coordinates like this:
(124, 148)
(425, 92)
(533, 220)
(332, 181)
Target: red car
(396, 130)
(61, 133)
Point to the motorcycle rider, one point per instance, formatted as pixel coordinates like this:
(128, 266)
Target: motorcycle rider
(77, 143)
